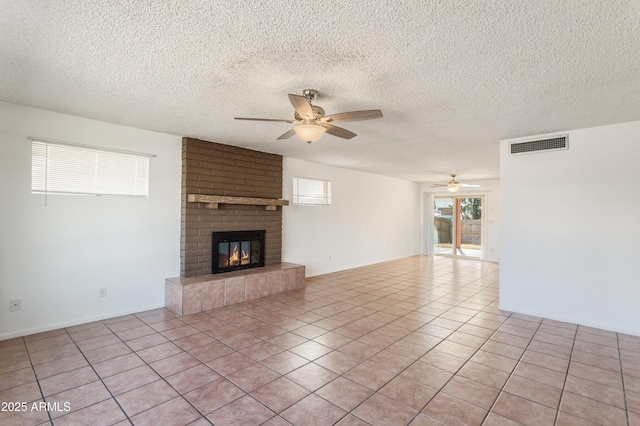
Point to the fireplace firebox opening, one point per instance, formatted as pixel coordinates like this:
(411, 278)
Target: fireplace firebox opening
(237, 250)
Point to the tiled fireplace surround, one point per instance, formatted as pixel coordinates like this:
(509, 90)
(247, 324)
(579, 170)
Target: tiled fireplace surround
(214, 169)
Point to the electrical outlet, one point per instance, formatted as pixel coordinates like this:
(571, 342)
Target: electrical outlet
(15, 305)
(102, 292)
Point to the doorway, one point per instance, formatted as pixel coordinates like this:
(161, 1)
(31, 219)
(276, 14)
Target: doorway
(458, 226)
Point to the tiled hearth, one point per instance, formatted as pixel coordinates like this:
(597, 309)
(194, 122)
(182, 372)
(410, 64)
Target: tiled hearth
(417, 341)
(186, 296)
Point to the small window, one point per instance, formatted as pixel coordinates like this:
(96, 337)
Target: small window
(312, 192)
(58, 168)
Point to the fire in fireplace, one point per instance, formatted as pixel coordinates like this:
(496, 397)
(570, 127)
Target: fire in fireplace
(237, 250)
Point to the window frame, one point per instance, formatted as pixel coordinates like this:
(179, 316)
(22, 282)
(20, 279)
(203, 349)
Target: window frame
(64, 168)
(298, 199)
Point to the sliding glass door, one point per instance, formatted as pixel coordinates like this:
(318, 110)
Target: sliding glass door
(443, 225)
(458, 226)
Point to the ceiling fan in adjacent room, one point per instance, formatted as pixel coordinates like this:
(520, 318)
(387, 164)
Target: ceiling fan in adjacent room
(453, 185)
(311, 121)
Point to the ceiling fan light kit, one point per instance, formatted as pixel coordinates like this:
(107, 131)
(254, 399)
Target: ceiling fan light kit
(453, 186)
(309, 132)
(311, 121)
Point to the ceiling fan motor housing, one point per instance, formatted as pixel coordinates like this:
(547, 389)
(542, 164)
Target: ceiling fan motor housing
(318, 113)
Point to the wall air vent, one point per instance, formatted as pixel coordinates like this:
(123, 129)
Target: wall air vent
(549, 144)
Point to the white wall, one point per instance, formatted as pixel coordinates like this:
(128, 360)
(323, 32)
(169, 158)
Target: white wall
(490, 190)
(570, 230)
(371, 219)
(55, 258)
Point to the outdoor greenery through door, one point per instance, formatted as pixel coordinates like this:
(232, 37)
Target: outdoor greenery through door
(458, 226)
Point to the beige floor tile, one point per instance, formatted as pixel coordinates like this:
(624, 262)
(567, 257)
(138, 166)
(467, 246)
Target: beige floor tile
(145, 397)
(108, 412)
(592, 410)
(369, 375)
(79, 398)
(418, 341)
(244, 411)
(280, 394)
(311, 376)
(131, 379)
(214, 395)
(594, 390)
(71, 379)
(344, 393)
(192, 378)
(176, 411)
(408, 392)
(382, 410)
(450, 410)
(524, 411)
(478, 394)
(313, 411)
(253, 377)
(337, 362)
(534, 391)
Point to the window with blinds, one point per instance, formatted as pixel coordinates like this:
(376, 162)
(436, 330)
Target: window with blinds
(311, 192)
(58, 168)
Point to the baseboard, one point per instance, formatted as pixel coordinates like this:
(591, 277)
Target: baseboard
(79, 321)
(359, 265)
(570, 319)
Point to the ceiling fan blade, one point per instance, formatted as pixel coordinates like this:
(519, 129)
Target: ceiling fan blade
(301, 105)
(444, 185)
(287, 135)
(338, 131)
(267, 119)
(343, 117)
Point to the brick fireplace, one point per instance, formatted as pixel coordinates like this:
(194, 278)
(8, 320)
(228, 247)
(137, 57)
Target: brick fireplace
(211, 168)
(229, 189)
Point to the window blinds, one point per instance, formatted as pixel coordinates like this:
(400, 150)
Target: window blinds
(311, 192)
(58, 168)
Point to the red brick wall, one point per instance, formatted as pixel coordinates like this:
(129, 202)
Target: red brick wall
(214, 169)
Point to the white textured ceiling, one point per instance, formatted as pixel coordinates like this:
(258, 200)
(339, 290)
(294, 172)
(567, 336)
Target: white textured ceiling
(451, 77)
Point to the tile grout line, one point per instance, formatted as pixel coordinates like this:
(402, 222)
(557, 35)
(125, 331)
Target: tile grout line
(98, 375)
(350, 412)
(566, 376)
(511, 375)
(89, 364)
(35, 375)
(590, 380)
(404, 297)
(624, 388)
(221, 375)
(180, 395)
(466, 362)
(430, 349)
(444, 338)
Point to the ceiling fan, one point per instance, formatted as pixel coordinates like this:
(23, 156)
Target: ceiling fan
(311, 121)
(453, 185)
